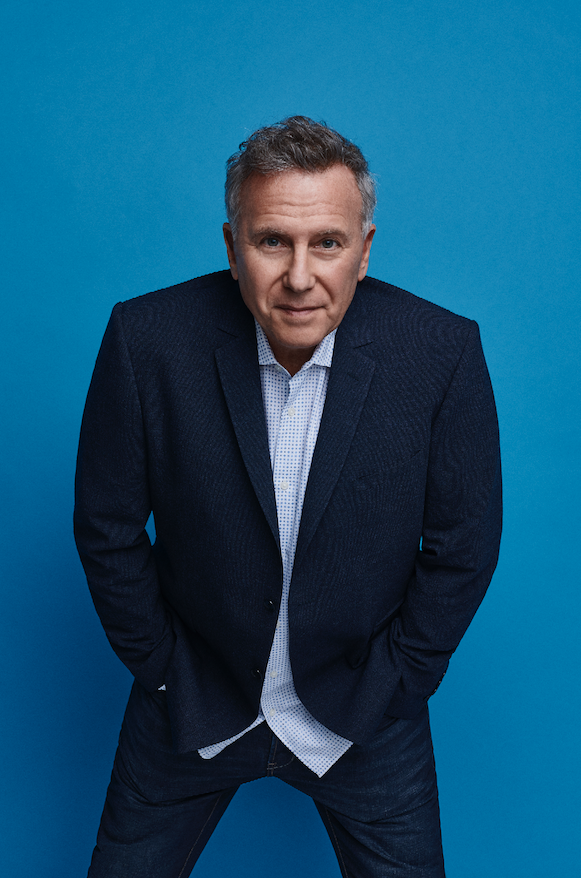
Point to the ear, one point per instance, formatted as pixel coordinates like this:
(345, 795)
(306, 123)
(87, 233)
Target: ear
(365, 255)
(229, 239)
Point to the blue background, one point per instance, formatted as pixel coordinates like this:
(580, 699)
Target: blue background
(117, 121)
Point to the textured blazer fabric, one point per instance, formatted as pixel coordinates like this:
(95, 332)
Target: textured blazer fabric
(400, 527)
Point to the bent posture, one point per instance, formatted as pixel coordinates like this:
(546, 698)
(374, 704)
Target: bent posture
(320, 453)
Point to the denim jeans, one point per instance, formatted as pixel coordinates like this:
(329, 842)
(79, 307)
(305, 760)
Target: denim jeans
(379, 802)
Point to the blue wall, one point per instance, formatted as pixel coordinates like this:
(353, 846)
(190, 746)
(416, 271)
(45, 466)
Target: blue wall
(118, 119)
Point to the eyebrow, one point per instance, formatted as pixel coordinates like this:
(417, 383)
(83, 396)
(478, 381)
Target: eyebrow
(265, 231)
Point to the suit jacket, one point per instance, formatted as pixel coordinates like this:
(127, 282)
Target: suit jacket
(400, 527)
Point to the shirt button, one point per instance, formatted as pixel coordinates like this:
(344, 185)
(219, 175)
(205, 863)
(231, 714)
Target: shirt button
(284, 486)
(256, 673)
(273, 673)
(272, 711)
(292, 412)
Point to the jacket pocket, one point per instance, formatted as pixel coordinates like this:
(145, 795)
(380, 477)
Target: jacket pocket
(368, 478)
(358, 657)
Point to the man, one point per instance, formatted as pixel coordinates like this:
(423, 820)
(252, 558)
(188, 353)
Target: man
(320, 453)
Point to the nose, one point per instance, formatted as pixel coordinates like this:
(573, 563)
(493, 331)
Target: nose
(299, 276)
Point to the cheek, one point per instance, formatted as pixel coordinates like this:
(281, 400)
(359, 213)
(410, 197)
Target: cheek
(343, 291)
(258, 277)
(254, 293)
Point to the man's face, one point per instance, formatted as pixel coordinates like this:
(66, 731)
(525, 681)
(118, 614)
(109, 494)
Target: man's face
(298, 255)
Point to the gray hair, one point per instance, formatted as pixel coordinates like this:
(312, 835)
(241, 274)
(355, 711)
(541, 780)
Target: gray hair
(296, 143)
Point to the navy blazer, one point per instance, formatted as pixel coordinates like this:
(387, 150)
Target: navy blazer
(400, 527)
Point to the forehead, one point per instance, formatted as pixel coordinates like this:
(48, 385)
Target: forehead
(301, 195)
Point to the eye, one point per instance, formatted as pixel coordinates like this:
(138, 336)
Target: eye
(271, 241)
(328, 243)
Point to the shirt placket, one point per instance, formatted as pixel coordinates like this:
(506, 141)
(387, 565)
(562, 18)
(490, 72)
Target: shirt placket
(287, 465)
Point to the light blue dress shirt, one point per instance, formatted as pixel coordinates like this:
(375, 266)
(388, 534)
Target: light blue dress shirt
(293, 408)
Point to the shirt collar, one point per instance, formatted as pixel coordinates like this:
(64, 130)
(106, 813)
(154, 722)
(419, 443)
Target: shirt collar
(322, 355)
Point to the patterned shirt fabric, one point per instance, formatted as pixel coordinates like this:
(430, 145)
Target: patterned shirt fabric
(293, 408)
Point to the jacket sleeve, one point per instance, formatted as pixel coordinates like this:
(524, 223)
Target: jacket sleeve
(112, 505)
(461, 533)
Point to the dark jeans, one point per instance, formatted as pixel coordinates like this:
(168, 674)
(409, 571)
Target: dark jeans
(379, 802)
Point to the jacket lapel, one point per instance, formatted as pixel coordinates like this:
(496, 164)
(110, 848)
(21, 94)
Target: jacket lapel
(240, 376)
(349, 381)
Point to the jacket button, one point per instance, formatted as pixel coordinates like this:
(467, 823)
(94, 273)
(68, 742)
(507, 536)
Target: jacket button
(269, 604)
(256, 673)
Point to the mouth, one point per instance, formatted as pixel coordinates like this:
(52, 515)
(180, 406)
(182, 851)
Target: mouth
(298, 312)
